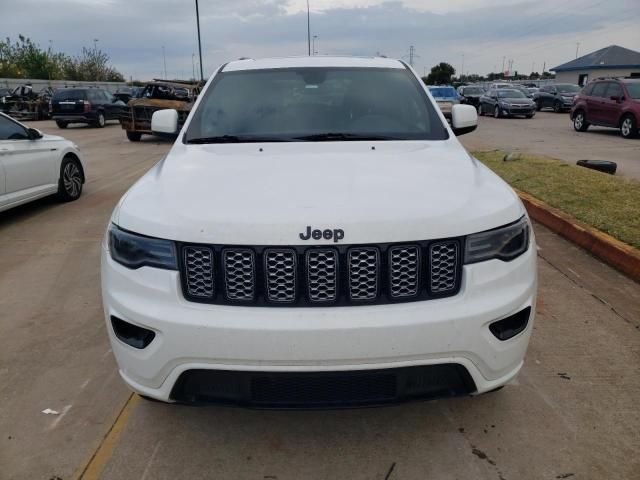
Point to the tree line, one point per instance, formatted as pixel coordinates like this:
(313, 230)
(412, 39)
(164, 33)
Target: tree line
(443, 74)
(26, 59)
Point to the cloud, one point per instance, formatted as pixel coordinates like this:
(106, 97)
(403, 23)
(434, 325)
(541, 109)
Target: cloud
(133, 33)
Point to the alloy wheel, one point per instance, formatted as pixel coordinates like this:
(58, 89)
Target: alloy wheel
(626, 127)
(72, 179)
(578, 121)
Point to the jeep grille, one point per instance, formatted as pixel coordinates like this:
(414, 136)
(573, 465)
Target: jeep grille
(341, 275)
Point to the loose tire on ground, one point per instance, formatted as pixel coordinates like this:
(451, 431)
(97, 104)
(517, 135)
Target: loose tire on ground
(71, 179)
(603, 166)
(134, 136)
(629, 127)
(61, 124)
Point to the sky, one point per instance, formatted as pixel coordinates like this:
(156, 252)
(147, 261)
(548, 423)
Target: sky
(475, 36)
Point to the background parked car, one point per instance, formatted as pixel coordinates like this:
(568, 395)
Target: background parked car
(158, 95)
(127, 93)
(471, 94)
(93, 106)
(609, 103)
(505, 102)
(33, 165)
(558, 96)
(445, 97)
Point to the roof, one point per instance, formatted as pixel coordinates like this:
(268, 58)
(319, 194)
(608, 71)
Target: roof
(315, 61)
(612, 56)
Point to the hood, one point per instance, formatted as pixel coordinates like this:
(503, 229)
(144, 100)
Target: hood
(52, 138)
(267, 194)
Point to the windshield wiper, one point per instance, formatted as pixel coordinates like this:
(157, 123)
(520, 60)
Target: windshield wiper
(235, 139)
(346, 137)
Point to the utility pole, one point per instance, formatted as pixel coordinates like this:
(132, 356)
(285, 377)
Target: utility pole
(193, 66)
(544, 67)
(503, 59)
(199, 42)
(462, 69)
(577, 48)
(315, 52)
(164, 59)
(308, 28)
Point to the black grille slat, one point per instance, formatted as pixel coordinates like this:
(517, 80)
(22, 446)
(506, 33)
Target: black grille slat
(199, 271)
(404, 269)
(280, 268)
(317, 276)
(443, 267)
(239, 273)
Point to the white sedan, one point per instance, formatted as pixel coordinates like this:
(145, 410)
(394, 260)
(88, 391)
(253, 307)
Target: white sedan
(34, 165)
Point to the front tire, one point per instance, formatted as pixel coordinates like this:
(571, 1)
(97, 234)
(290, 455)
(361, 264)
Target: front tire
(134, 136)
(61, 124)
(496, 112)
(100, 121)
(629, 127)
(580, 123)
(480, 110)
(557, 107)
(538, 105)
(71, 180)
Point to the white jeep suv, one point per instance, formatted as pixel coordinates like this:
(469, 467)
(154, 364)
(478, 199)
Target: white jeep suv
(318, 237)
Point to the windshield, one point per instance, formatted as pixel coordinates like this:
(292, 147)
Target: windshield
(472, 91)
(511, 94)
(315, 104)
(633, 89)
(443, 92)
(568, 88)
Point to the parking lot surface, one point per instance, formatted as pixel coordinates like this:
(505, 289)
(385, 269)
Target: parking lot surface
(552, 135)
(572, 413)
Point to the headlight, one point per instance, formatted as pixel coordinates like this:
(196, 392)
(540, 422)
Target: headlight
(135, 251)
(504, 243)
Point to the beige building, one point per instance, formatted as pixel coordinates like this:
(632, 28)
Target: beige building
(611, 61)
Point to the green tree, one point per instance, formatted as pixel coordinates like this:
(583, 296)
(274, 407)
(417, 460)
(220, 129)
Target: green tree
(440, 74)
(25, 59)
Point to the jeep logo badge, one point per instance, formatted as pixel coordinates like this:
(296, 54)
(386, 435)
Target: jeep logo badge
(336, 234)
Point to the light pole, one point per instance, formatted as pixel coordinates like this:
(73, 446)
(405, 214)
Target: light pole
(95, 51)
(315, 52)
(199, 42)
(164, 59)
(308, 28)
(193, 66)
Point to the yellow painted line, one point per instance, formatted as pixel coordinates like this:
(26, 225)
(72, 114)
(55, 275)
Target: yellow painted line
(94, 467)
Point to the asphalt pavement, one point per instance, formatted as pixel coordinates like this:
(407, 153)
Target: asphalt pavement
(552, 135)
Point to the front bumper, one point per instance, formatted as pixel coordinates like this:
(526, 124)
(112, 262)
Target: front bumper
(519, 110)
(191, 337)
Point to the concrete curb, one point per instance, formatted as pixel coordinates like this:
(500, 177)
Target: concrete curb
(619, 255)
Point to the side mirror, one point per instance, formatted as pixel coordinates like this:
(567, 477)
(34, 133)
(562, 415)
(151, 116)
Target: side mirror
(34, 134)
(464, 119)
(165, 123)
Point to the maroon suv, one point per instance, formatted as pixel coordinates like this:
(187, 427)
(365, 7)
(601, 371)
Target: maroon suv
(608, 103)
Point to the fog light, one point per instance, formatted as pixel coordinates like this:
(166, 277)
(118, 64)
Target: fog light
(132, 335)
(511, 326)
